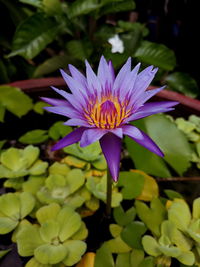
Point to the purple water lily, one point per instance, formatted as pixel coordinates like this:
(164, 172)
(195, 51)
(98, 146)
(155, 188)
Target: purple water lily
(103, 106)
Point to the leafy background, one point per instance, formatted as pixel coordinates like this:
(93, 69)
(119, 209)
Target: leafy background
(39, 36)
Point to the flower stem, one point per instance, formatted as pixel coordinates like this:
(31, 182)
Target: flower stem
(108, 194)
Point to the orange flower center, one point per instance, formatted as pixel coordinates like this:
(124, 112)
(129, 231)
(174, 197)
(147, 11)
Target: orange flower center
(108, 113)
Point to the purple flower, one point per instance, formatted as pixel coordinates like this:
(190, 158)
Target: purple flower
(103, 106)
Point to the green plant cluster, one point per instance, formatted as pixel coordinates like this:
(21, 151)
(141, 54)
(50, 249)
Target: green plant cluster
(166, 233)
(191, 129)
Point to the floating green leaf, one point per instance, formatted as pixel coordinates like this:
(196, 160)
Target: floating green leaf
(124, 217)
(152, 216)
(58, 130)
(104, 257)
(132, 233)
(131, 183)
(163, 132)
(34, 137)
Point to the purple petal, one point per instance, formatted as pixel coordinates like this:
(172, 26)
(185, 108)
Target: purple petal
(76, 88)
(123, 73)
(92, 80)
(111, 148)
(91, 135)
(72, 100)
(77, 75)
(141, 138)
(56, 102)
(143, 80)
(65, 111)
(111, 70)
(144, 97)
(77, 122)
(128, 83)
(152, 108)
(69, 139)
(104, 74)
(117, 131)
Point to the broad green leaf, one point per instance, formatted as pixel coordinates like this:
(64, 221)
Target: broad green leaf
(31, 153)
(82, 7)
(35, 3)
(59, 168)
(100, 163)
(27, 203)
(171, 251)
(89, 153)
(132, 234)
(28, 239)
(33, 35)
(10, 205)
(196, 208)
(151, 246)
(79, 49)
(117, 245)
(13, 160)
(2, 142)
(129, 26)
(124, 217)
(69, 221)
(76, 249)
(179, 214)
(38, 168)
(115, 229)
(52, 7)
(34, 263)
(117, 6)
(39, 107)
(14, 183)
(7, 225)
(81, 234)
(183, 83)
(131, 183)
(148, 262)
(50, 254)
(171, 194)
(104, 257)
(33, 184)
(171, 140)
(156, 54)
(48, 212)
(49, 232)
(153, 216)
(150, 189)
(58, 130)
(153, 164)
(34, 137)
(75, 179)
(14, 100)
(52, 64)
(136, 257)
(123, 260)
(187, 258)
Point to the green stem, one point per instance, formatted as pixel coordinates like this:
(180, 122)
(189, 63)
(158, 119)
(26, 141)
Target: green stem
(108, 194)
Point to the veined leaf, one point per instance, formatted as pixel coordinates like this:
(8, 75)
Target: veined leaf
(156, 54)
(183, 83)
(33, 35)
(82, 7)
(52, 64)
(35, 3)
(79, 49)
